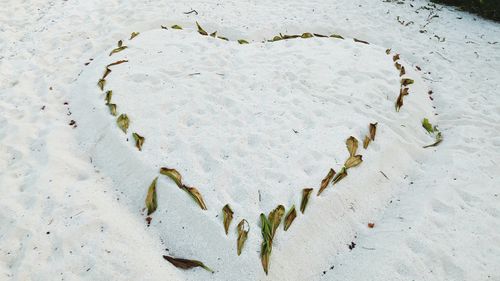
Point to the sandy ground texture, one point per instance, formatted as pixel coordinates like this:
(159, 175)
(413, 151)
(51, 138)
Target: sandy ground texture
(255, 126)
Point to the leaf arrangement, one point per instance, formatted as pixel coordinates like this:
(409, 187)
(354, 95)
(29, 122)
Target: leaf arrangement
(403, 91)
(269, 225)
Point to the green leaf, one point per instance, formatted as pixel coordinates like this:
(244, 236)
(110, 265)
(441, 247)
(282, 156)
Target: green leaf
(151, 202)
(242, 41)
(175, 26)
(109, 94)
(196, 195)
(290, 217)
(186, 264)
(201, 30)
(243, 229)
(306, 35)
(139, 140)
(133, 35)
(172, 174)
(324, 183)
(101, 84)
(427, 125)
(123, 122)
(352, 145)
(116, 50)
(112, 109)
(306, 193)
(228, 217)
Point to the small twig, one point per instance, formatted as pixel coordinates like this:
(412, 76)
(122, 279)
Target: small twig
(192, 11)
(384, 174)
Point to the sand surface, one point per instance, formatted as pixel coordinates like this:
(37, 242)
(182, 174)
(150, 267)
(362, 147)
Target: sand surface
(249, 125)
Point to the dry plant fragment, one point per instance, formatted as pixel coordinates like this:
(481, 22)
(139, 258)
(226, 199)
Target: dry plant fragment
(243, 229)
(116, 50)
(402, 71)
(242, 41)
(336, 36)
(175, 26)
(326, 181)
(407, 81)
(360, 41)
(196, 195)
(101, 84)
(109, 94)
(123, 122)
(373, 130)
(353, 161)
(395, 57)
(151, 202)
(186, 264)
(213, 34)
(366, 142)
(133, 35)
(306, 193)
(352, 145)
(112, 109)
(290, 217)
(172, 174)
(388, 51)
(228, 217)
(269, 225)
(306, 35)
(200, 29)
(341, 175)
(139, 140)
(223, 38)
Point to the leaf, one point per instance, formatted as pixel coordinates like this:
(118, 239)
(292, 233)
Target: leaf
(366, 142)
(107, 71)
(324, 183)
(200, 30)
(133, 35)
(242, 41)
(395, 57)
(116, 50)
(353, 161)
(407, 81)
(275, 218)
(186, 264)
(399, 102)
(213, 34)
(172, 174)
(397, 65)
(339, 176)
(276, 38)
(289, 36)
(120, 43)
(306, 35)
(336, 36)
(151, 202)
(175, 26)
(402, 71)
(101, 84)
(388, 51)
(223, 38)
(139, 140)
(123, 122)
(265, 253)
(439, 139)
(352, 145)
(112, 109)
(243, 229)
(306, 193)
(267, 243)
(427, 125)
(116, 63)
(404, 91)
(109, 94)
(373, 130)
(228, 217)
(360, 41)
(196, 195)
(319, 35)
(290, 217)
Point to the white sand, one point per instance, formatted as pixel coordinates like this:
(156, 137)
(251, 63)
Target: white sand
(72, 197)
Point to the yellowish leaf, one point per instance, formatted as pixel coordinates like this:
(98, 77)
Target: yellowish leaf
(112, 109)
(175, 26)
(352, 145)
(123, 122)
(109, 94)
(200, 29)
(366, 142)
(242, 41)
(243, 229)
(325, 182)
(151, 201)
(172, 174)
(228, 217)
(306, 193)
(139, 140)
(306, 35)
(290, 217)
(101, 84)
(133, 35)
(339, 176)
(116, 50)
(353, 161)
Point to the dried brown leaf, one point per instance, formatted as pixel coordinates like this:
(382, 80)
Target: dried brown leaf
(353, 161)
(116, 50)
(173, 174)
(407, 81)
(319, 35)
(228, 217)
(242, 41)
(107, 71)
(360, 41)
(402, 71)
(399, 102)
(139, 140)
(151, 201)
(306, 35)
(388, 51)
(290, 217)
(339, 176)
(109, 94)
(175, 26)
(116, 63)
(397, 65)
(306, 194)
(186, 264)
(120, 43)
(133, 35)
(325, 182)
(395, 57)
(200, 29)
(373, 130)
(243, 229)
(366, 142)
(352, 145)
(123, 122)
(101, 84)
(112, 109)
(196, 195)
(336, 36)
